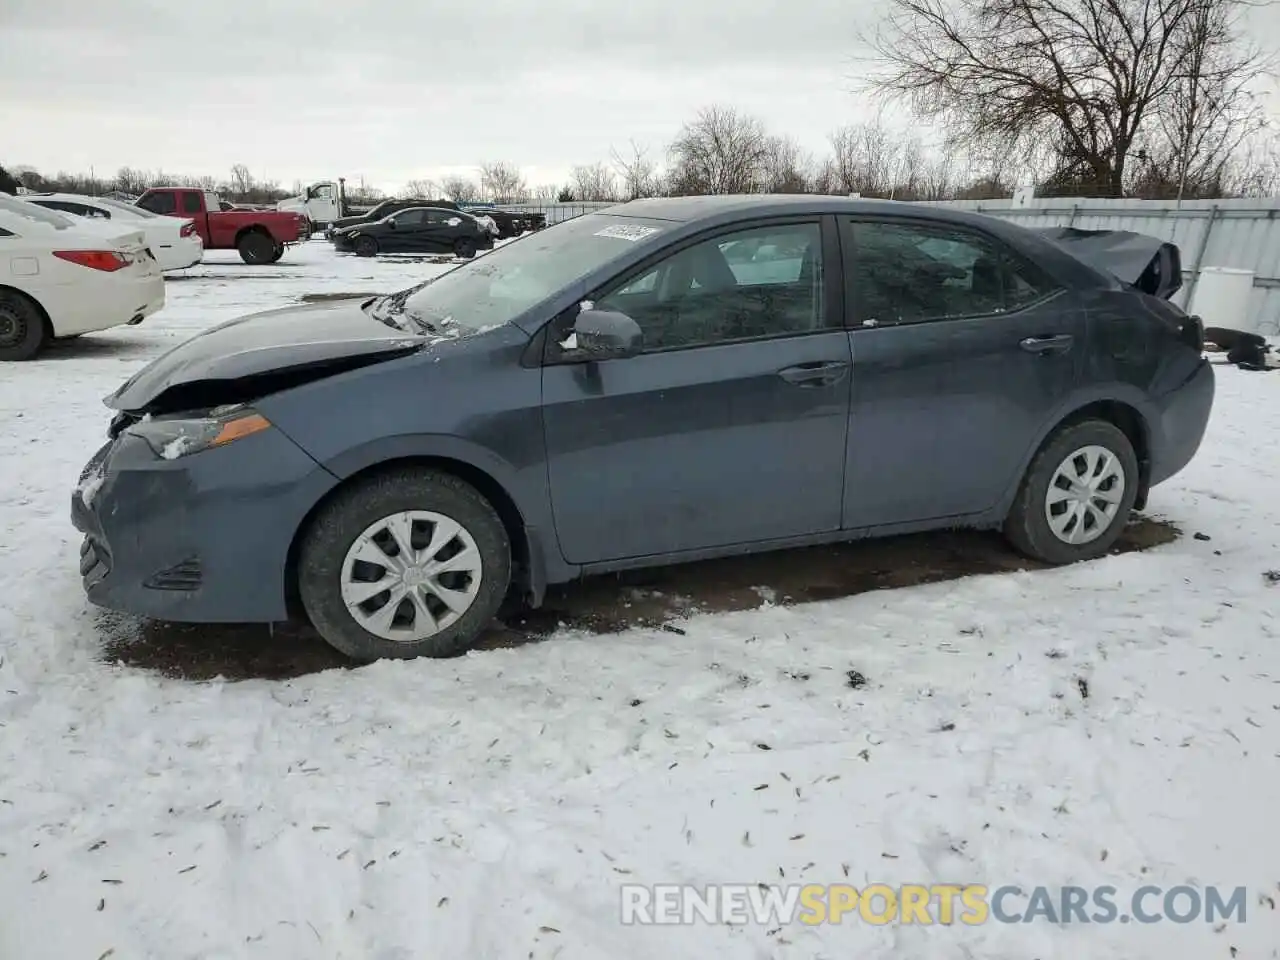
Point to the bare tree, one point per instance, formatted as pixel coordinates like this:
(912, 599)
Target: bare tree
(460, 189)
(8, 182)
(786, 168)
(636, 171)
(719, 151)
(420, 188)
(131, 181)
(866, 158)
(241, 181)
(546, 192)
(503, 182)
(1087, 77)
(595, 182)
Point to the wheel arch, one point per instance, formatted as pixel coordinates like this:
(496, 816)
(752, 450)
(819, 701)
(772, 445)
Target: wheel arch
(1121, 414)
(527, 578)
(253, 228)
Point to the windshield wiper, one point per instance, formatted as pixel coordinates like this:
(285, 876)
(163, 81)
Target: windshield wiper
(385, 308)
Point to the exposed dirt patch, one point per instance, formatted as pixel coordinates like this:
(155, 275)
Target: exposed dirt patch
(652, 598)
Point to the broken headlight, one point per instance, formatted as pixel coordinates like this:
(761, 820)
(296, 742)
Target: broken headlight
(181, 436)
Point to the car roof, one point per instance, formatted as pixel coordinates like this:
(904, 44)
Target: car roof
(735, 206)
(427, 207)
(68, 197)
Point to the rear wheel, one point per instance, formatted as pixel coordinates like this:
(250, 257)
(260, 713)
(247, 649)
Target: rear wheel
(366, 247)
(465, 248)
(23, 332)
(407, 564)
(256, 247)
(1077, 495)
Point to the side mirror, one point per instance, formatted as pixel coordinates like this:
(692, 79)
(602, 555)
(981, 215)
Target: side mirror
(607, 334)
(392, 223)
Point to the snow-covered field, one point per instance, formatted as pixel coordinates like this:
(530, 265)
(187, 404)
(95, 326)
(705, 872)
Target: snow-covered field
(1113, 723)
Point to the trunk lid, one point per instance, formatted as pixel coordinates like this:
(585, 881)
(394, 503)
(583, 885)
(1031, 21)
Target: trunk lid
(1146, 263)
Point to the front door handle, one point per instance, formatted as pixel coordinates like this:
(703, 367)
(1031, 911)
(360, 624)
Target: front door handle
(1058, 343)
(821, 373)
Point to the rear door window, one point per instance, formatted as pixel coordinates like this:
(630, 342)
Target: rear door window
(159, 203)
(911, 272)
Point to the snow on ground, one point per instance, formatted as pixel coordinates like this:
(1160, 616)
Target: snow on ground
(491, 806)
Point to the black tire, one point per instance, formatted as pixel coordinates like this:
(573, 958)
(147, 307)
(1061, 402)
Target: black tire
(256, 247)
(352, 511)
(23, 332)
(366, 247)
(465, 248)
(1027, 526)
(277, 253)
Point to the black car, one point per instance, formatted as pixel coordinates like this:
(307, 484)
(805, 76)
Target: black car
(385, 209)
(417, 230)
(511, 224)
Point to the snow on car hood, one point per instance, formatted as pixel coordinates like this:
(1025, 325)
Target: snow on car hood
(1150, 264)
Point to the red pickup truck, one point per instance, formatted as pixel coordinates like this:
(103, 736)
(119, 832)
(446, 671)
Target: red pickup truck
(259, 235)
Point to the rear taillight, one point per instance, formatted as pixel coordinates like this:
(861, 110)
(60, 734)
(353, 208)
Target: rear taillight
(106, 260)
(188, 229)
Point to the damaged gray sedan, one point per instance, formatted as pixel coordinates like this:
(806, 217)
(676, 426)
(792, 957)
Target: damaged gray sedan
(662, 381)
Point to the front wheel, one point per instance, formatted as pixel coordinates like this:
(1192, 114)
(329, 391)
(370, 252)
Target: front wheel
(465, 248)
(1076, 496)
(256, 247)
(410, 563)
(277, 253)
(366, 247)
(23, 332)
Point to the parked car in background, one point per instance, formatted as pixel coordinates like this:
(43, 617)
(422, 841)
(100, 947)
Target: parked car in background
(62, 276)
(417, 230)
(260, 236)
(173, 241)
(510, 223)
(669, 380)
(385, 209)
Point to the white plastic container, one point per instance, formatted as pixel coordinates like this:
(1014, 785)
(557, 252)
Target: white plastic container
(1222, 298)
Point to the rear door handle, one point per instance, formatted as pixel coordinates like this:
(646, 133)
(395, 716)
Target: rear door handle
(821, 373)
(1058, 343)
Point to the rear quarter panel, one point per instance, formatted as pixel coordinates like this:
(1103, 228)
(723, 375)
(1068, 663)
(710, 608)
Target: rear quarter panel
(1134, 355)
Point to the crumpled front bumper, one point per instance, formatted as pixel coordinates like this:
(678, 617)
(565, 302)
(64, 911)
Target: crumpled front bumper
(202, 538)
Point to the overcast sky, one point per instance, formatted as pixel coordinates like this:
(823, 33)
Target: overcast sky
(316, 89)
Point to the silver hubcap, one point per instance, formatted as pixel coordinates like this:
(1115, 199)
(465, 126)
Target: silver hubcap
(411, 575)
(1084, 495)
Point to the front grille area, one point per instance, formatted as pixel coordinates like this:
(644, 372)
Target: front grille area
(183, 576)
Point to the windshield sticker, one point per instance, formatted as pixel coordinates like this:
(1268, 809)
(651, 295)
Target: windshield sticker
(622, 232)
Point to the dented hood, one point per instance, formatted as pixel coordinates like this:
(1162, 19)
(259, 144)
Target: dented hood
(1148, 263)
(249, 357)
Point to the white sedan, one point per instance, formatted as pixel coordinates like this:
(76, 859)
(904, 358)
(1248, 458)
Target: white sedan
(62, 276)
(172, 240)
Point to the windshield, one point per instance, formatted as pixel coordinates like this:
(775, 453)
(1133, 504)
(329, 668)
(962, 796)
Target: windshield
(496, 288)
(126, 208)
(33, 211)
